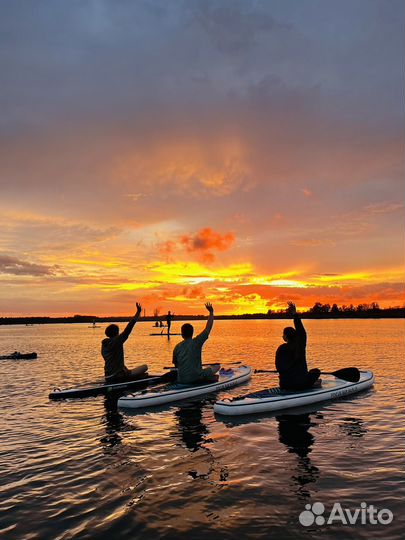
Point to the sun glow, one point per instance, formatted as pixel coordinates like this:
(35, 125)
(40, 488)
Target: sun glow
(191, 273)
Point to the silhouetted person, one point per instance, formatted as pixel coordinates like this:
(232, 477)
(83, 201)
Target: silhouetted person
(112, 350)
(187, 354)
(291, 362)
(169, 318)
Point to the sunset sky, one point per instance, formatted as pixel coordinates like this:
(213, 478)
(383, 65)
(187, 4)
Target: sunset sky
(174, 152)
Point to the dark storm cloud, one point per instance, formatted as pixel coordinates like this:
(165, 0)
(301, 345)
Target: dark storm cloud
(103, 59)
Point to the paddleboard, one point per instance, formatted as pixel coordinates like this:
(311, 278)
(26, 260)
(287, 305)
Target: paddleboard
(19, 356)
(176, 392)
(275, 399)
(100, 388)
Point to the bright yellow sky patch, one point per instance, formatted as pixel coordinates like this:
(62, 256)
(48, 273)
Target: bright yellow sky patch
(192, 273)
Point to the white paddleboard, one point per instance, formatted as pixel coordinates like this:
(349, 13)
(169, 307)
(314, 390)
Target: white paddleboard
(275, 399)
(177, 392)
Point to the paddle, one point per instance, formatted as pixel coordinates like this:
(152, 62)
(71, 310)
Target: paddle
(350, 374)
(210, 364)
(102, 382)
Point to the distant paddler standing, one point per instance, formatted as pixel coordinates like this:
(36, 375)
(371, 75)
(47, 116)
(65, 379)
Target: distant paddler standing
(112, 350)
(169, 318)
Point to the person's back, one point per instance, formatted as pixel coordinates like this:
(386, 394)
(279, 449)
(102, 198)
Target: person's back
(291, 365)
(187, 354)
(291, 362)
(112, 350)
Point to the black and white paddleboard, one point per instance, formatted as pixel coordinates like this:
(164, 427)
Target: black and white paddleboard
(100, 388)
(275, 399)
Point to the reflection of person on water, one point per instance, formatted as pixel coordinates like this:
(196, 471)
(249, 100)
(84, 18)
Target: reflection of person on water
(194, 434)
(187, 354)
(112, 350)
(295, 435)
(291, 361)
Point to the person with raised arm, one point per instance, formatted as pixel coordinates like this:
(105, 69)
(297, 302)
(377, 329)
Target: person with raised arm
(112, 350)
(291, 362)
(187, 354)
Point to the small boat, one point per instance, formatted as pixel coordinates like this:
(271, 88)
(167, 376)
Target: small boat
(275, 399)
(19, 356)
(176, 392)
(102, 388)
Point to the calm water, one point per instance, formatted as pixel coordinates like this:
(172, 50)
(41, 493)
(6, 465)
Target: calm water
(83, 470)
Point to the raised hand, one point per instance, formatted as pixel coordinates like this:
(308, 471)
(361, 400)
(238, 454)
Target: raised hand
(209, 307)
(292, 310)
(138, 307)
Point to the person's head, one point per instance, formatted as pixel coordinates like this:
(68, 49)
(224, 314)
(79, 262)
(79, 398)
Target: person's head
(112, 330)
(289, 334)
(187, 331)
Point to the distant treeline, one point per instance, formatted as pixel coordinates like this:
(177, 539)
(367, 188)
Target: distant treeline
(318, 311)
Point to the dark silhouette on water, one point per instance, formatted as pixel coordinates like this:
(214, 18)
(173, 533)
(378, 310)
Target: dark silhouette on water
(291, 362)
(114, 422)
(194, 433)
(295, 435)
(169, 318)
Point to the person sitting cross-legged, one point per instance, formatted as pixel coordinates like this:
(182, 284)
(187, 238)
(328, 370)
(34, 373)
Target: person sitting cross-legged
(112, 350)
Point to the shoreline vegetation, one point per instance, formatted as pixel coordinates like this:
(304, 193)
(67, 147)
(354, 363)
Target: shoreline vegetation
(318, 311)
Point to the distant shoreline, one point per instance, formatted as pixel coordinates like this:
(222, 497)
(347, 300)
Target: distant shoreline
(389, 313)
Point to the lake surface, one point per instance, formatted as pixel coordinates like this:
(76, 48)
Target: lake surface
(84, 470)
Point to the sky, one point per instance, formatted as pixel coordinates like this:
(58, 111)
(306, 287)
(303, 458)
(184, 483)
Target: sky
(245, 153)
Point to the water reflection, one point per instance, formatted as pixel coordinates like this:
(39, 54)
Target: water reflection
(353, 427)
(294, 433)
(114, 423)
(191, 427)
(194, 436)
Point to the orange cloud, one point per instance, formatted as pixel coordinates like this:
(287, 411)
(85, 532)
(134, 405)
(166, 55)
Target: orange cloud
(207, 240)
(202, 244)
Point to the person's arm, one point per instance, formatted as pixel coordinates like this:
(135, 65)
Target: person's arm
(299, 327)
(203, 336)
(210, 321)
(128, 329)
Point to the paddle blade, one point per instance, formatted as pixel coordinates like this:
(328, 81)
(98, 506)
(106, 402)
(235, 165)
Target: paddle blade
(350, 374)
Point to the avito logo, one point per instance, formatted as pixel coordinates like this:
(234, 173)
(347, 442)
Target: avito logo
(364, 514)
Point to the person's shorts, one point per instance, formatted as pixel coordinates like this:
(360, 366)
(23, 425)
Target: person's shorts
(208, 375)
